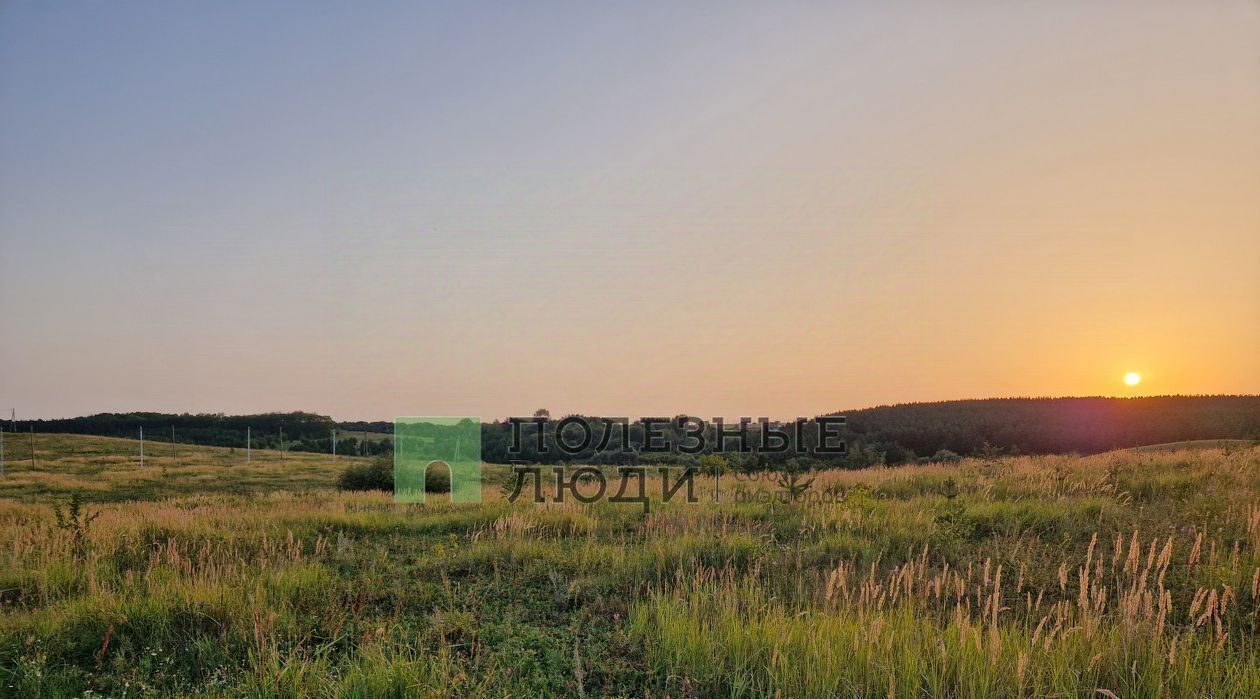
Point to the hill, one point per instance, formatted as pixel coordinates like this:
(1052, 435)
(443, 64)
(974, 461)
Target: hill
(1053, 425)
(912, 432)
(108, 468)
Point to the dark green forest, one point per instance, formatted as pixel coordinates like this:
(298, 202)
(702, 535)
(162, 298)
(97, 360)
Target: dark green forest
(886, 434)
(299, 431)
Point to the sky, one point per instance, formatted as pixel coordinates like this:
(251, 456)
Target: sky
(369, 210)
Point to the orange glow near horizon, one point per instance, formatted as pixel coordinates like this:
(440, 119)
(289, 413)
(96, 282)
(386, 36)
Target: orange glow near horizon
(645, 210)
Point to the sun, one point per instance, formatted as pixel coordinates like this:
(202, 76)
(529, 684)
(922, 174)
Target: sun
(1132, 378)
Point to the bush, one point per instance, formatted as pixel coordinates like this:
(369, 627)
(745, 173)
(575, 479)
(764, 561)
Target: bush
(712, 465)
(378, 474)
(945, 456)
(437, 480)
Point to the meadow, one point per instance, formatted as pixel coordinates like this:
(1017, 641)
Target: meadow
(1127, 574)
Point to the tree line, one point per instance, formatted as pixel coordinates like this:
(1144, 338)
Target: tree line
(300, 431)
(946, 430)
(895, 434)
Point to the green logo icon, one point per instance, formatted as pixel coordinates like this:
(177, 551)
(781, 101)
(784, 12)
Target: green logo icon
(426, 448)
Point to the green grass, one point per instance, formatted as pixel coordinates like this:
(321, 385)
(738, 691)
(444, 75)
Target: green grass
(1133, 573)
(108, 469)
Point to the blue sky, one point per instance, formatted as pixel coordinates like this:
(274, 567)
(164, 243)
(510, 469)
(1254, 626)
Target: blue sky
(374, 209)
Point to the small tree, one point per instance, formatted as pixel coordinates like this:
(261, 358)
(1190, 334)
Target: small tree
(793, 481)
(712, 465)
(75, 520)
(989, 452)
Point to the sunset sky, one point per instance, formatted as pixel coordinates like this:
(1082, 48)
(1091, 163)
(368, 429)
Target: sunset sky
(465, 208)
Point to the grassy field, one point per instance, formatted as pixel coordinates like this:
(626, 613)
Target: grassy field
(1196, 444)
(108, 469)
(1130, 574)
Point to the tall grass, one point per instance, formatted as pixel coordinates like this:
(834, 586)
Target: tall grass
(1133, 574)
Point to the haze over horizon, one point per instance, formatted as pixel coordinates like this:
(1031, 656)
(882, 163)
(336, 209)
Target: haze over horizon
(556, 414)
(719, 209)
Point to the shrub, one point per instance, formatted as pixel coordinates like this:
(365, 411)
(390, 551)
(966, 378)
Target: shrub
(951, 517)
(438, 480)
(378, 474)
(712, 465)
(945, 456)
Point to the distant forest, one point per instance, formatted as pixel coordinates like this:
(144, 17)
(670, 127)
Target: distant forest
(888, 434)
(1053, 425)
(300, 431)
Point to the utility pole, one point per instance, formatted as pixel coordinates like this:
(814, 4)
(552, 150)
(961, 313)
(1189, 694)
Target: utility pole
(282, 442)
(1, 452)
(334, 450)
(248, 448)
(142, 446)
(13, 419)
(32, 446)
(174, 451)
